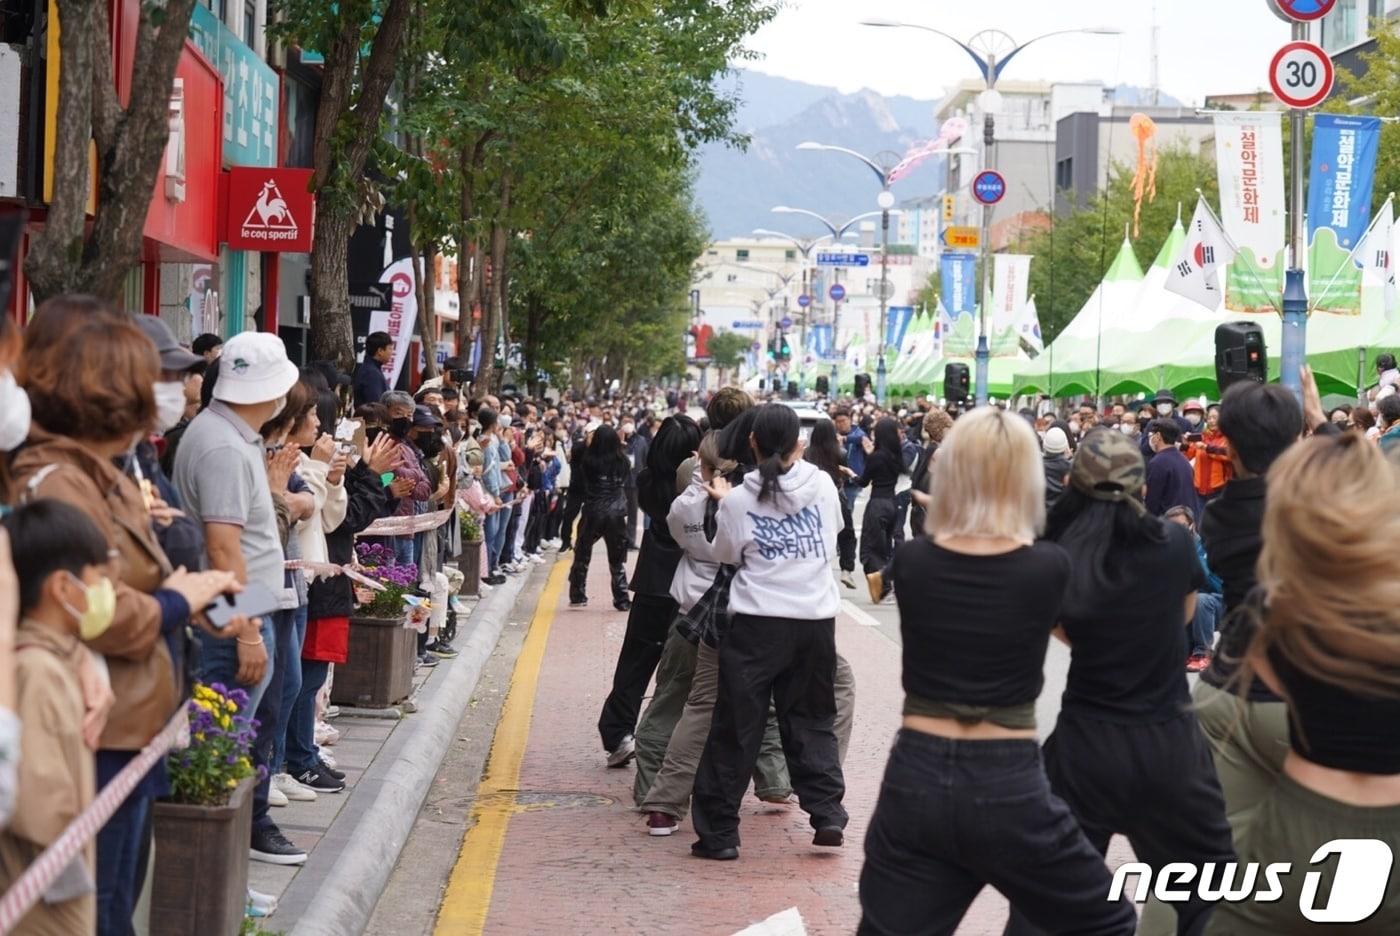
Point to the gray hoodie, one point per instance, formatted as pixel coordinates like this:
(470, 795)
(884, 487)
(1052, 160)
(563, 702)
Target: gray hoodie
(782, 546)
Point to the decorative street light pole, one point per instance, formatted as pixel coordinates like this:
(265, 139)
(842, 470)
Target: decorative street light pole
(805, 246)
(992, 50)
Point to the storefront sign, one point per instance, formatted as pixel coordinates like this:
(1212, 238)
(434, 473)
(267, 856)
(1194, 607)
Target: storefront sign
(250, 92)
(270, 210)
(183, 217)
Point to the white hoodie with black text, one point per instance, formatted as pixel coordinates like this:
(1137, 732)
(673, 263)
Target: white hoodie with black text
(783, 546)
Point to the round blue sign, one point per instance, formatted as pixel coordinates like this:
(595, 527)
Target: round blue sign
(989, 187)
(804, 300)
(785, 324)
(1303, 10)
(837, 292)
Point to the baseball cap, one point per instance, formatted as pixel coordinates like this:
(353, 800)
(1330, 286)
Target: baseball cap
(172, 356)
(425, 418)
(254, 369)
(1109, 466)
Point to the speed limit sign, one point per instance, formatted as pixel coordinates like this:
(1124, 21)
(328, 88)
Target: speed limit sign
(1301, 75)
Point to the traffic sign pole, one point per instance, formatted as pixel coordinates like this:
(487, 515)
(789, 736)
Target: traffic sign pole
(988, 187)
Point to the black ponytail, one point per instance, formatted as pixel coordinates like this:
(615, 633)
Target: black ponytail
(775, 434)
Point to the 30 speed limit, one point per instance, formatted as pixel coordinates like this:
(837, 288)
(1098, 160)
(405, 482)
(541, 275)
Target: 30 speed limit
(1301, 75)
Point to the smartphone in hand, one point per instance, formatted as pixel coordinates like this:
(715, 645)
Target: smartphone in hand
(255, 600)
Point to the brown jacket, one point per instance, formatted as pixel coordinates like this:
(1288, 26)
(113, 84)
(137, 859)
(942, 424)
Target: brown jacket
(143, 677)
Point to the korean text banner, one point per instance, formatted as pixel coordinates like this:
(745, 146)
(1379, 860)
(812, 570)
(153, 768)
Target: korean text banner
(897, 319)
(1249, 166)
(1339, 205)
(958, 272)
(1011, 276)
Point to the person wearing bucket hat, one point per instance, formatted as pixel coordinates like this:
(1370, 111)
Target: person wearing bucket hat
(1127, 735)
(225, 482)
(1162, 406)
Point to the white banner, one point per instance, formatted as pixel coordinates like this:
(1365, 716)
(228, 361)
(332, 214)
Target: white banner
(1011, 279)
(1029, 326)
(1249, 166)
(398, 321)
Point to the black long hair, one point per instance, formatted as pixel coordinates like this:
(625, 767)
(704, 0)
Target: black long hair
(775, 433)
(887, 440)
(673, 443)
(1099, 536)
(824, 450)
(604, 455)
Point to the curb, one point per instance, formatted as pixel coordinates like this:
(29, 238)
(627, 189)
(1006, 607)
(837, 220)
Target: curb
(336, 895)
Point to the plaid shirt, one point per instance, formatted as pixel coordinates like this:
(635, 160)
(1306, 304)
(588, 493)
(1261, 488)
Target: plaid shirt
(708, 620)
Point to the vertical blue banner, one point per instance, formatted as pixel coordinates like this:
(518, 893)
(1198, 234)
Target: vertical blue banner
(959, 280)
(1343, 173)
(820, 338)
(897, 319)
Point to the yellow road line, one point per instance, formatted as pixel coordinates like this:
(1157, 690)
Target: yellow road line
(473, 879)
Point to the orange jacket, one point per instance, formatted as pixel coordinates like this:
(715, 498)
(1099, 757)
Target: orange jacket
(1212, 466)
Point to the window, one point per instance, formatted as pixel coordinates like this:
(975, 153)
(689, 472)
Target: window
(219, 8)
(789, 255)
(741, 255)
(1064, 174)
(1343, 26)
(250, 22)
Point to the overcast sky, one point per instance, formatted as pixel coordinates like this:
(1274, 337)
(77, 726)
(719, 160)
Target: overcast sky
(1206, 46)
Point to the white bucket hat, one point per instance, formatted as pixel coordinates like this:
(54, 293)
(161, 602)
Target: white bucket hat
(254, 369)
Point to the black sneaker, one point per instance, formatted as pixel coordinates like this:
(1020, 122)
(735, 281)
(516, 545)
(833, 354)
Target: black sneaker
(699, 850)
(441, 648)
(328, 770)
(271, 846)
(623, 605)
(829, 837)
(320, 782)
(427, 660)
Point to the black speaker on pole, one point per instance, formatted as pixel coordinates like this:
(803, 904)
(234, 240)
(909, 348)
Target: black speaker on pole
(1240, 354)
(823, 386)
(792, 389)
(862, 385)
(956, 381)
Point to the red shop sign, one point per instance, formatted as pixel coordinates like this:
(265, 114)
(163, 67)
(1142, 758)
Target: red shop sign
(270, 209)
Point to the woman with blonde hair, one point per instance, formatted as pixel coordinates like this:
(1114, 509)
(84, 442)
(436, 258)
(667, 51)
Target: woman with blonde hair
(965, 801)
(1328, 642)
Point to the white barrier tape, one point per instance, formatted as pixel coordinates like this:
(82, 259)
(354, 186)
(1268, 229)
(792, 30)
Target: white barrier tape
(40, 875)
(406, 526)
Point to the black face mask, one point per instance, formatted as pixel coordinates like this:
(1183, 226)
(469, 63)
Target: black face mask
(430, 445)
(399, 428)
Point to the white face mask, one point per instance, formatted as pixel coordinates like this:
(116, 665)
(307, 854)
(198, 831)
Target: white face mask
(14, 413)
(170, 404)
(1074, 428)
(1164, 409)
(280, 406)
(1194, 419)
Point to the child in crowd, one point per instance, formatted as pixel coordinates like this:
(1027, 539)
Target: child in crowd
(60, 559)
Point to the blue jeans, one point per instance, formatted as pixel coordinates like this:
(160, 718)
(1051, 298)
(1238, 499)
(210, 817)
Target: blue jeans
(269, 711)
(301, 728)
(495, 538)
(404, 551)
(1209, 609)
(291, 687)
(123, 845)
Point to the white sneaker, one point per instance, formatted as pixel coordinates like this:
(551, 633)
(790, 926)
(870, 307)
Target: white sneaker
(326, 757)
(331, 711)
(287, 785)
(848, 579)
(537, 559)
(624, 753)
(325, 734)
(275, 797)
(484, 589)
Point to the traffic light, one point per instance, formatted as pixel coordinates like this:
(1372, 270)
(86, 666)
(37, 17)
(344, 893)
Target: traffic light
(784, 349)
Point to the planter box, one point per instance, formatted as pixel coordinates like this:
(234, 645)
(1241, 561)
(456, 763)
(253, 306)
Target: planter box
(469, 564)
(200, 880)
(379, 670)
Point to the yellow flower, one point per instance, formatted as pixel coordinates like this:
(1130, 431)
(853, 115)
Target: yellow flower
(199, 736)
(223, 722)
(232, 784)
(232, 708)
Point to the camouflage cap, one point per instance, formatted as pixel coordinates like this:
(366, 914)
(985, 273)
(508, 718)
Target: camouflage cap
(1109, 466)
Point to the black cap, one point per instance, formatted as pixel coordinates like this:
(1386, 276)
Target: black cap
(425, 418)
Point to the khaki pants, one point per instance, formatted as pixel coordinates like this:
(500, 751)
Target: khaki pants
(1249, 741)
(653, 734)
(670, 791)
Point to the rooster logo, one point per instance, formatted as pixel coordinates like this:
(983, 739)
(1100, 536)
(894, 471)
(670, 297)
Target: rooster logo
(270, 210)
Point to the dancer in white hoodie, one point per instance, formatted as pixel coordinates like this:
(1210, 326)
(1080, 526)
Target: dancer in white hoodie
(779, 528)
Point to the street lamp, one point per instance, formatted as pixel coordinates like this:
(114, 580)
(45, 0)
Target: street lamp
(805, 246)
(886, 201)
(992, 50)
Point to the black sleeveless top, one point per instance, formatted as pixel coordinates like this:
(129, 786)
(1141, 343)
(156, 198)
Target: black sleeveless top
(1339, 728)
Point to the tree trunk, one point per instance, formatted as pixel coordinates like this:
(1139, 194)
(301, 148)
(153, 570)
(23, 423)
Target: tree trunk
(491, 319)
(347, 124)
(331, 336)
(427, 313)
(130, 146)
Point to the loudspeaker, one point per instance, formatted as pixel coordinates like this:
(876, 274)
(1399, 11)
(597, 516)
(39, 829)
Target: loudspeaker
(862, 385)
(956, 381)
(823, 386)
(792, 389)
(1240, 354)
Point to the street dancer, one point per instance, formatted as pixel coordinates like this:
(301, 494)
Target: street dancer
(965, 801)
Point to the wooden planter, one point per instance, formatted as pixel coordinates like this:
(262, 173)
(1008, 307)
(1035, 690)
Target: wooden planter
(469, 564)
(200, 880)
(379, 670)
